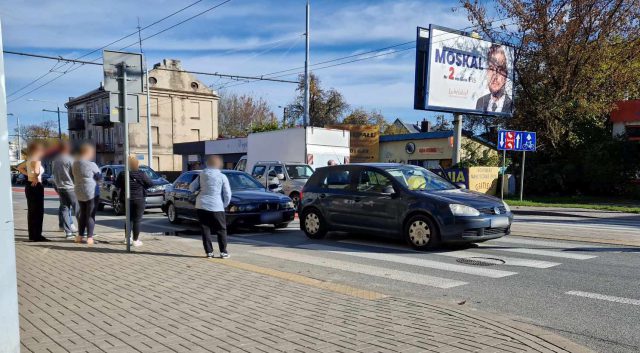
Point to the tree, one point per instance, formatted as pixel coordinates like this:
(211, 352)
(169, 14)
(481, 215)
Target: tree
(239, 114)
(442, 124)
(573, 60)
(473, 156)
(46, 131)
(325, 106)
(359, 116)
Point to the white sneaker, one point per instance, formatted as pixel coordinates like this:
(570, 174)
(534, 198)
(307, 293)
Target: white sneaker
(137, 243)
(74, 229)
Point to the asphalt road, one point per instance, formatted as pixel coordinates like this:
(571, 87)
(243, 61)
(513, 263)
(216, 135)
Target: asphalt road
(587, 292)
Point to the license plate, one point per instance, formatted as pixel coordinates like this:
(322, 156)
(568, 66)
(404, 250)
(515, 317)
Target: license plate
(500, 222)
(271, 217)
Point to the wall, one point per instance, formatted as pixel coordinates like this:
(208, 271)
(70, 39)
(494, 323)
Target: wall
(9, 324)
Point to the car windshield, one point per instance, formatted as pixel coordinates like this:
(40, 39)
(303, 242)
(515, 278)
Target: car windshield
(241, 181)
(150, 173)
(416, 178)
(299, 171)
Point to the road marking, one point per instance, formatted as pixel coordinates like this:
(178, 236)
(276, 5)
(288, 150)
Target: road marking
(550, 253)
(604, 297)
(509, 261)
(375, 271)
(408, 260)
(550, 244)
(334, 287)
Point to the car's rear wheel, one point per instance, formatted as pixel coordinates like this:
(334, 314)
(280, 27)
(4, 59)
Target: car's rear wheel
(313, 224)
(421, 233)
(172, 214)
(116, 204)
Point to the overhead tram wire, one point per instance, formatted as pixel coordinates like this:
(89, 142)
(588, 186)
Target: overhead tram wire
(153, 35)
(70, 69)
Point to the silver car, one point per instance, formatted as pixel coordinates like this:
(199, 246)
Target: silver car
(291, 176)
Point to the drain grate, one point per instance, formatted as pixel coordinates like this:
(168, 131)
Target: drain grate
(480, 261)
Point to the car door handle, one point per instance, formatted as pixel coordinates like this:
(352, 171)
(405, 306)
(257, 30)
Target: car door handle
(322, 196)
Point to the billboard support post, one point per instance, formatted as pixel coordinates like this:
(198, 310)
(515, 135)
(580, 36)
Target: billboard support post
(524, 154)
(127, 189)
(504, 170)
(457, 137)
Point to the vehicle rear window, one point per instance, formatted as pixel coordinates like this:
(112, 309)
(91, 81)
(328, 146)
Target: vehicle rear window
(336, 179)
(258, 171)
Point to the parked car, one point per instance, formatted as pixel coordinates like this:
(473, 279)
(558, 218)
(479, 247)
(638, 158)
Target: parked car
(251, 204)
(21, 179)
(292, 176)
(109, 194)
(401, 201)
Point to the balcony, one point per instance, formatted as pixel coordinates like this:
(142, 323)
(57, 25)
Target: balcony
(105, 147)
(102, 120)
(76, 124)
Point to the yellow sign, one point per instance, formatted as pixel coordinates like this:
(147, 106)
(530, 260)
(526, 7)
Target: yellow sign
(364, 142)
(484, 179)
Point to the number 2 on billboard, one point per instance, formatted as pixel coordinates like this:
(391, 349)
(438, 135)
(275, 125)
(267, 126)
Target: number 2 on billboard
(451, 71)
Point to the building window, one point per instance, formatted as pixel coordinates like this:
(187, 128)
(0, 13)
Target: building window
(154, 106)
(195, 133)
(153, 81)
(194, 85)
(155, 135)
(194, 110)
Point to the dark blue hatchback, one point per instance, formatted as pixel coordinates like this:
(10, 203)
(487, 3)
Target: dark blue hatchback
(400, 201)
(250, 204)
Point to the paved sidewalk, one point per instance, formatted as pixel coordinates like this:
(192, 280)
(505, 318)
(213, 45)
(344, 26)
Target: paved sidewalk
(166, 298)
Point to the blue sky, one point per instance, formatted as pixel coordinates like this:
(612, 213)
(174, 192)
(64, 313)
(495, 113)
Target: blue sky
(241, 37)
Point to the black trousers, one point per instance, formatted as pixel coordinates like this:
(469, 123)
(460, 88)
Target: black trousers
(35, 210)
(136, 208)
(213, 222)
(87, 217)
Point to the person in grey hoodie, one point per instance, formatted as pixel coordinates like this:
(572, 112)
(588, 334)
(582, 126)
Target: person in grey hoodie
(213, 197)
(63, 180)
(86, 175)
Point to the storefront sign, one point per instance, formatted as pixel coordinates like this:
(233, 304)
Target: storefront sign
(364, 142)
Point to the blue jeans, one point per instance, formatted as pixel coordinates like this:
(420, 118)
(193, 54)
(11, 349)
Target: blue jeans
(67, 210)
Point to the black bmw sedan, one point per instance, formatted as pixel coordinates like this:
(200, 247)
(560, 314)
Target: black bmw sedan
(250, 204)
(400, 201)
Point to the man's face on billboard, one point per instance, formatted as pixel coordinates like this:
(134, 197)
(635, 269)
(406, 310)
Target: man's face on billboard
(497, 73)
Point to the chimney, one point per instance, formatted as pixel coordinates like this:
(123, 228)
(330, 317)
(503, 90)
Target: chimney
(425, 126)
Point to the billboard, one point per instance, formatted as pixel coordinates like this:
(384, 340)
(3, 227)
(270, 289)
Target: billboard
(459, 73)
(364, 141)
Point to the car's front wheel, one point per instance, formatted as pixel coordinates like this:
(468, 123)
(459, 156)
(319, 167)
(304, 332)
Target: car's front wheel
(172, 214)
(421, 233)
(313, 224)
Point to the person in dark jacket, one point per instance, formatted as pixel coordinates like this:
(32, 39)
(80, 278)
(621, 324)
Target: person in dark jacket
(139, 182)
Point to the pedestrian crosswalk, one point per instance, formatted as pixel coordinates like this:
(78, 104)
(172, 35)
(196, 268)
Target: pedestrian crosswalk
(433, 269)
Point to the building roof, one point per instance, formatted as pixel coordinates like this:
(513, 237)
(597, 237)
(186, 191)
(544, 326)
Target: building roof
(435, 135)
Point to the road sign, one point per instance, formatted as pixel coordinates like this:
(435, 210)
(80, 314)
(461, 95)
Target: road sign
(115, 108)
(509, 140)
(111, 63)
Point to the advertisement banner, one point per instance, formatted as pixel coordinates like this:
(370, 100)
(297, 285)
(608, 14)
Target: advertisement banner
(364, 142)
(466, 74)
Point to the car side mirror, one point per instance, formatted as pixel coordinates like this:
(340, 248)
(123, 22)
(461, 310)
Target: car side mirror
(388, 190)
(460, 185)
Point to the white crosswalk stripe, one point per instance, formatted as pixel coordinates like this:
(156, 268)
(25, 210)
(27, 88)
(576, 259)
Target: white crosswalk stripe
(408, 260)
(541, 252)
(509, 261)
(609, 298)
(375, 271)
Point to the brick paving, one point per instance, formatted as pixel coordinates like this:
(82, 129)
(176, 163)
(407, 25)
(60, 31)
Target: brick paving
(165, 298)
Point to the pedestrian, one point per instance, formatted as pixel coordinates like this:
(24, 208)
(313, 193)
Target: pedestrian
(86, 175)
(213, 197)
(34, 190)
(139, 182)
(63, 179)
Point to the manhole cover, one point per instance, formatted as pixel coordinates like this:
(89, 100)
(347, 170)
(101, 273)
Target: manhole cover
(480, 261)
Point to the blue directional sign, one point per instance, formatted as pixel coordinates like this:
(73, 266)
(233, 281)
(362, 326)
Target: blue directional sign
(509, 140)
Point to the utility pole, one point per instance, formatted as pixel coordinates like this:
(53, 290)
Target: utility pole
(9, 322)
(306, 70)
(127, 189)
(457, 137)
(524, 154)
(59, 127)
(146, 78)
(52, 111)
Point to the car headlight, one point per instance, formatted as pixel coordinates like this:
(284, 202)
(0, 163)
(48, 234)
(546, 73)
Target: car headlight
(506, 207)
(462, 210)
(232, 209)
(287, 205)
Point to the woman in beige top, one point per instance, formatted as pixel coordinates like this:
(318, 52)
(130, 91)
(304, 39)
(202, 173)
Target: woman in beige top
(34, 190)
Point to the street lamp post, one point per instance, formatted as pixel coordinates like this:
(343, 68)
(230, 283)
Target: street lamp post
(57, 111)
(19, 137)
